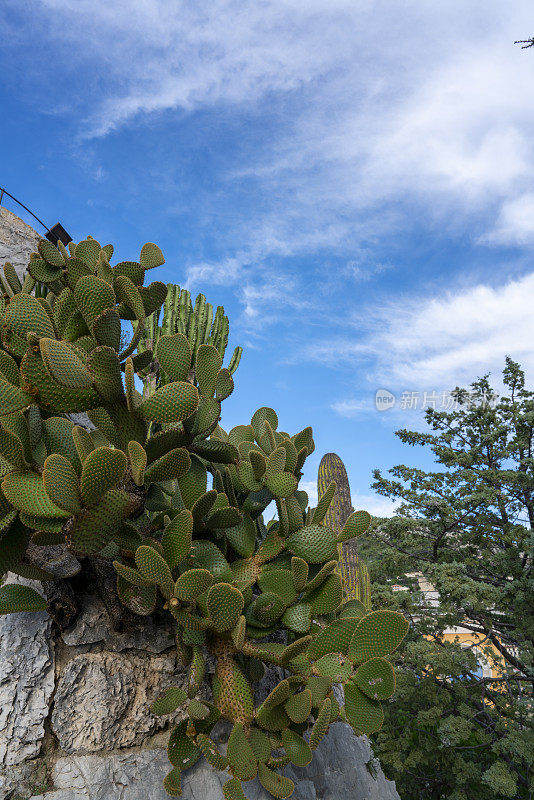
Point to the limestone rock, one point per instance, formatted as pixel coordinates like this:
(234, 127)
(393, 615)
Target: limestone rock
(343, 766)
(93, 626)
(128, 776)
(24, 780)
(102, 700)
(17, 240)
(55, 559)
(338, 771)
(26, 681)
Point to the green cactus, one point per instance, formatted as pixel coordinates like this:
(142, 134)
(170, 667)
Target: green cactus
(176, 503)
(189, 338)
(347, 524)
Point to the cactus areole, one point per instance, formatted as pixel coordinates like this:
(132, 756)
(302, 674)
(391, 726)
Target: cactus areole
(156, 489)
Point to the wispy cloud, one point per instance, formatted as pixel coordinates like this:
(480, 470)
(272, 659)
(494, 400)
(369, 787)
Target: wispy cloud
(456, 337)
(379, 112)
(353, 408)
(263, 299)
(158, 56)
(438, 342)
(515, 222)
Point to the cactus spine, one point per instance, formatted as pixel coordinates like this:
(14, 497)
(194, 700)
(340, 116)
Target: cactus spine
(352, 569)
(197, 323)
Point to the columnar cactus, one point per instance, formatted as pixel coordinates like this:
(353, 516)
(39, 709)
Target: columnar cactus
(196, 322)
(352, 569)
(176, 503)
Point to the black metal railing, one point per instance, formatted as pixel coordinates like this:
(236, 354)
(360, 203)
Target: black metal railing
(54, 234)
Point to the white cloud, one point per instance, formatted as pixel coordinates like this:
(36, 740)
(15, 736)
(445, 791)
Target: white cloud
(352, 408)
(515, 223)
(376, 505)
(459, 336)
(159, 55)
(439, 342)
(229, 270)
(262, 298)
(311, 488)
(382, 107)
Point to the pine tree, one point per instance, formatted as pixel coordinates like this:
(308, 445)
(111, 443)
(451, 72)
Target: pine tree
(466, 529)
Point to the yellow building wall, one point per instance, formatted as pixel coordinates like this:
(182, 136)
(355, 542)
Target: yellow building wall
(487, 656)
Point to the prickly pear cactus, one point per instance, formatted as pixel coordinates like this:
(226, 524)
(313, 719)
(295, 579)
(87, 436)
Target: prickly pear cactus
(175, 503)
(352, 569)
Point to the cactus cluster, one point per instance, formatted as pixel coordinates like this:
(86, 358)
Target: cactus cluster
(352, 569)
(176, 503)
(197, 322)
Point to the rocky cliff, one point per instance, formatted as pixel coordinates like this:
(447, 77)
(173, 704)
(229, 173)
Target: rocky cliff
(75, 722)
(17, 240)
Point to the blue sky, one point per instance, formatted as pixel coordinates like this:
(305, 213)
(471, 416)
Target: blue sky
(352, 179)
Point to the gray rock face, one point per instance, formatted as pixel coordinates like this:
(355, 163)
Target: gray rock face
(17, 240)
(55, 559)
(102, 700)
(338, 771)
(26, 681)
(121, 776)
(92, 627)
(343, 763)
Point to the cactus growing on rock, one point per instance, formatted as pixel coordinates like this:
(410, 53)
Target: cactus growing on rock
(175, 502)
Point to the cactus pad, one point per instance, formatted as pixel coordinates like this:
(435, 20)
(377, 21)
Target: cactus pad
(154, 568)
(225, 604)
(314, 543)
(16, 598)
(61, 483)
(26, 491)
(183, 753)
(160, 491)
(240, 754)
(298, 707)
(173, 464)
(174, 356)
(277, 785)
(364, 714)
(376, 679)
(321, 724)
(169, 701)
(64, 365)
(211, 752)
(177, 538)
(232, 790)
(151, 256)
(377, 634)
(102, 469)
(171, 403)
(93, 529)
(356, 524)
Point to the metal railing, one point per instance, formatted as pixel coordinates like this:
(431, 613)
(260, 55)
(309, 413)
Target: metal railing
(54, 234)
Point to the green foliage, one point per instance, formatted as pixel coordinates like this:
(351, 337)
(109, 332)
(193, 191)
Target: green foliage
(462, 724)
(176, 504)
